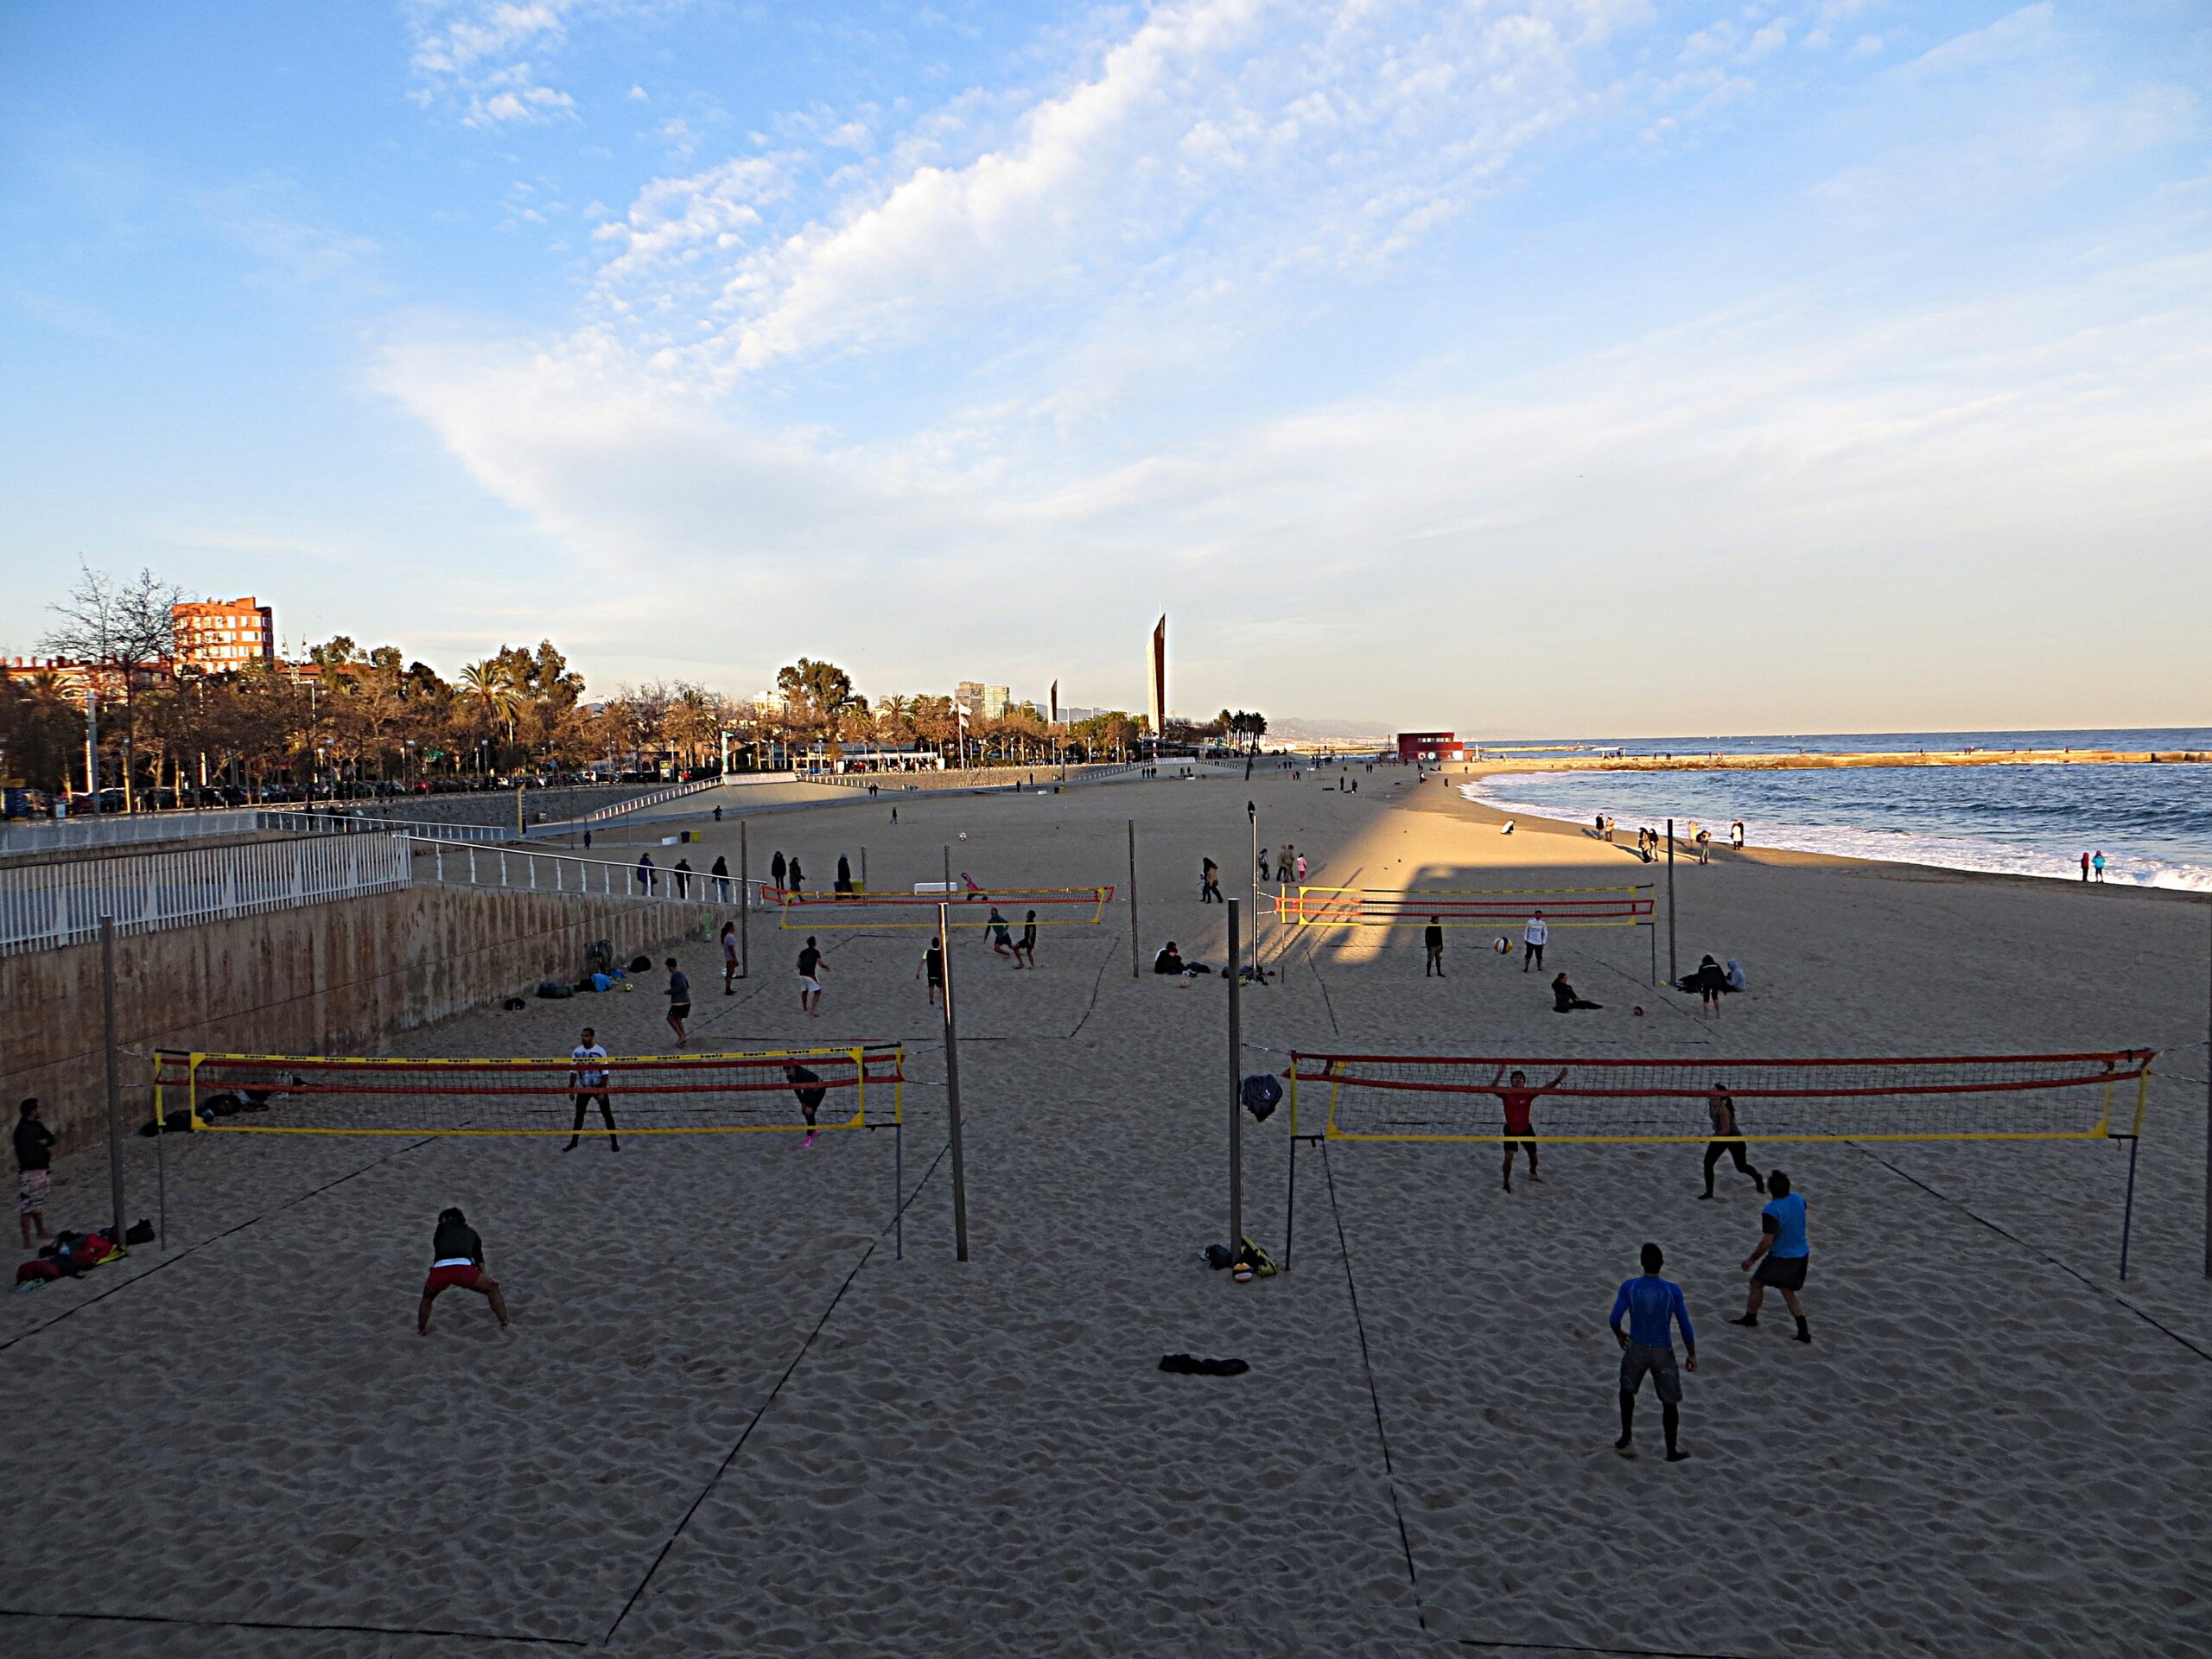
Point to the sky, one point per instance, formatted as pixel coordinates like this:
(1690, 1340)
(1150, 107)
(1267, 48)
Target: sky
(1603, 367)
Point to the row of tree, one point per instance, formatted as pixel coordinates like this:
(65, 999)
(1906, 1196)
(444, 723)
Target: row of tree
(352, 717)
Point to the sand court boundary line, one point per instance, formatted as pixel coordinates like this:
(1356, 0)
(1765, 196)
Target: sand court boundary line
(1574, 1647)
(273, 1624)
(193, 1249)
(1966, 1209)
(730, 1457)
(1374, 1394)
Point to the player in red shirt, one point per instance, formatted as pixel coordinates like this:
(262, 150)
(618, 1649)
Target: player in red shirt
(1518, 1096)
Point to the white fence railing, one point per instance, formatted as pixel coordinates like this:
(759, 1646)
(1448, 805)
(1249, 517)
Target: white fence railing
(309, 820)
(43, 907)
(73, 835)
(673, 792)
(514, 869)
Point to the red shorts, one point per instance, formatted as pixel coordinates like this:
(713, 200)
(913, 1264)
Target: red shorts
(444, 1278)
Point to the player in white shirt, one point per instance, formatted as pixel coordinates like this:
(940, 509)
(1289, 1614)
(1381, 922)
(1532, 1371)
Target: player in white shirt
(1534, 933)
(587, 1078)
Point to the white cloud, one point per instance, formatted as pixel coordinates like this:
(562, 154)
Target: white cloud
(1350, 130)
(483, 55)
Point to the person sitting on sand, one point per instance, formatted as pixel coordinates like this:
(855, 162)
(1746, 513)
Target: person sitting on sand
(1564, 1000)
(1169, 961)
(457, 1258)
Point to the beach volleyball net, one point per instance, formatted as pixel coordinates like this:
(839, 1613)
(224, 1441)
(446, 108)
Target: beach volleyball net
(1492, 907)
(1052, 907)
(1974, 1097)
(855, 1087)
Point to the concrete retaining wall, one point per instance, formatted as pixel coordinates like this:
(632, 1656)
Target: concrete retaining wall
(339, 978)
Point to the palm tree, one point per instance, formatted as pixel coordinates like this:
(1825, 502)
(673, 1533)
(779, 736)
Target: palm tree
(493, 687)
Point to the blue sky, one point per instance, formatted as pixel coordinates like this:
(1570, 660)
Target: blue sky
(1599, 365)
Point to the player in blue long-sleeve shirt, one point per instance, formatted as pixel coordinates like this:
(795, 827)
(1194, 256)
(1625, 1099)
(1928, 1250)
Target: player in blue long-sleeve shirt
(1651, 1303)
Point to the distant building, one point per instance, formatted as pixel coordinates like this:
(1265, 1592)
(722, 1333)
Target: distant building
(1430, 745)
(1155, 679)
(220, 636)
(983, 702)
(70, 678)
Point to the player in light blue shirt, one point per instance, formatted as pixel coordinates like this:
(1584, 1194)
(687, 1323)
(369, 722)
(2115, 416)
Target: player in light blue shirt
(1781, 1243)
(1654, 1305)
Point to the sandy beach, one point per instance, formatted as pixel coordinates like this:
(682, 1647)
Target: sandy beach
(728, 1420)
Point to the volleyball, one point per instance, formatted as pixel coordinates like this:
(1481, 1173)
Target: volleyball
(1502, 945)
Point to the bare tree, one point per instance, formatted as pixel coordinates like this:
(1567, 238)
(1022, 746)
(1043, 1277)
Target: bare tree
(123, 628)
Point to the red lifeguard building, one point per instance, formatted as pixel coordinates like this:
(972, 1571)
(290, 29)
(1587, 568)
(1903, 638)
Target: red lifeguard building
(1430, 745)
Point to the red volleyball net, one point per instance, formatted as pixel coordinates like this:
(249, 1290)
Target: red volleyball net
(1623, 906)
(964, 907)
(795, 1089)
(1888, 1098)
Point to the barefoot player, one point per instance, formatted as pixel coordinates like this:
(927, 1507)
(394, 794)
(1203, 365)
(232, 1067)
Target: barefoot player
(457, 1258)
(1652, 1305)
(1781, 1241)
(1727, 1138)
(588, 1079)
(1517, 1098)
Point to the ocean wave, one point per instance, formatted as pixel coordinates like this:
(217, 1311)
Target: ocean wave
(1897, 847)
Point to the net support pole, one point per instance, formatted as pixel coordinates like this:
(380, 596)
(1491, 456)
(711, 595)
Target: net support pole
(744, 907)
(114, 1080)
(952, 1084)
(1673, 962)
(161, 1162)
(1236, 1084)
(2127, 1210)
(1133, 972)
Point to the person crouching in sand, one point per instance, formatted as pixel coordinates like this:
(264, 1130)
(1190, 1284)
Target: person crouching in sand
(457, 1258)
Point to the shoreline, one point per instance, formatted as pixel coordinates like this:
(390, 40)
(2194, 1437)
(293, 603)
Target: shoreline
(1897, 870)
(1720, 760)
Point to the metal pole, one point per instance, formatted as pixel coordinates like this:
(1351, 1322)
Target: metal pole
(1236, 1087)
(92, 742)
(2208, 1122)
(952, 1087)
(1133, 972)
(947, 868)
(1252, 876)
(114, 1083)
(1673, 962)
(2127, 1214)
(863, 869)
(744, 907)
(161, 1165)
(521, 832)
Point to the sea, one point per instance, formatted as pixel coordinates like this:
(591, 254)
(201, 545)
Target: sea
(2153, 823)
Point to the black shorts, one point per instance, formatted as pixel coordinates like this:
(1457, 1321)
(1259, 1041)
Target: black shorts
(1783, 1272)
(1658, 1364)
(679, 1010)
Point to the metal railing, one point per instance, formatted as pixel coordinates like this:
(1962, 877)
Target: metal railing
(314, 820)
(44, 906)
(514, 869)
(73, 835)
(675, 792)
